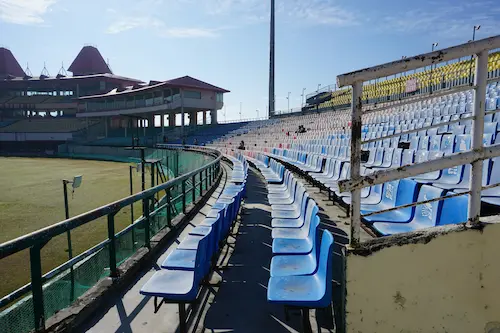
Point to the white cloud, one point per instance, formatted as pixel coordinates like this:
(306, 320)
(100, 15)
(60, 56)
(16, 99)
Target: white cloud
(128, 23)
(451, 21)
(320, 12)
(159, 27)
(24, 11)
(189, 33)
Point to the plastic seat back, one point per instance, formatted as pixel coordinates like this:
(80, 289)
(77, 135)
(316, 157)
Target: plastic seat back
(406, 193)
(397, 157)
(454, 210)
(414, 143)
(325, 267)
(426, 215)
(435, 142)
(447, 143)
(388, 155)
(379, 157)
(407, 158)
(490, 127)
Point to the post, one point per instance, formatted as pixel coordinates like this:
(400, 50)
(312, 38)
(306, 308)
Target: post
(201, 182)
(113, 273)
(130, 174)
(169, 212)
(193, 179)
(357, 104)
(477, 137)
(184, 196)
(147, 236)
(143, 164)
(37, 286)
(182, 114)
(152, 175)
(206, 179)
(271, 64)
(68, 237)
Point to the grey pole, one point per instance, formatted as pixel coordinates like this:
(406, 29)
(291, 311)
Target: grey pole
(271, 64)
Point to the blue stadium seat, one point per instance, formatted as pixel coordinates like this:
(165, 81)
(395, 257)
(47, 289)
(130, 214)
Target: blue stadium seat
(426, 215)
(297, 246)
(290, 211)
(296, 264)
(306, 291)
(395, 193)
(295, 228)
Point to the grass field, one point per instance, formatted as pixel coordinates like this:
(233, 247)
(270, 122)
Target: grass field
(31, 197)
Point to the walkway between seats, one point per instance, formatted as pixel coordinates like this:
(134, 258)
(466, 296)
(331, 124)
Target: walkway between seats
(240, 304)
(237, 299)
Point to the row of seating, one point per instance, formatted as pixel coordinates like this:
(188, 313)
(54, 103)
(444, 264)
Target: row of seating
(301, 268)
(389, 195)
(188, 267)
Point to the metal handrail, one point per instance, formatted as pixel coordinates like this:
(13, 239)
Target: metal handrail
(37, 239)
(475, 157)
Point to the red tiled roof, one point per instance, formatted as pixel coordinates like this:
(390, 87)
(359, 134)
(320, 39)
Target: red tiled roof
(9, 64)
(190, 82)
(181, 82)
(89, 61)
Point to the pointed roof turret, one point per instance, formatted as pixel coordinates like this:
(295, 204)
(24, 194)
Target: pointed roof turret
(89, 61)
(9, 65)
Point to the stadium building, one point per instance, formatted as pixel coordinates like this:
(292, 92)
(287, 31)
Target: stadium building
(94, 104)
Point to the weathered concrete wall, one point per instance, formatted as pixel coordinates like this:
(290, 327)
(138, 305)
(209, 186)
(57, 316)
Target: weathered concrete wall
(444, 280)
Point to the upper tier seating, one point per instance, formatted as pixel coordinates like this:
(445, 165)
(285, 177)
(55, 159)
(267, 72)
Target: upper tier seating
(441, 76)
(47, 125)
(323, 153)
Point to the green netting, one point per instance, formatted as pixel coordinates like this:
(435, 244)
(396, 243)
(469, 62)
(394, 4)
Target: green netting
(64, 288)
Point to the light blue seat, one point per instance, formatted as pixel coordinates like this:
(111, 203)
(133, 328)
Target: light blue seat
(379, 157)
(181, 284)
(425, 215)
(172, 284)
(217, 225)
(297, 246)
(296, 264)
(395, 193)
(388, 156)
(424, 156)
(284, 211)
(279, 188)
(307, 291)
(334, 173)
(293, 232)
(492, 196)
(286, 197)
(293, 222)
(448, 211)
(180, 259)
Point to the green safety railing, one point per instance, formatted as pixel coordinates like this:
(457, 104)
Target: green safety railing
(178, 192)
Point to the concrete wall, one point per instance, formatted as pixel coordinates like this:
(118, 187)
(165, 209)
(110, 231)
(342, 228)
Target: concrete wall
(443, 280)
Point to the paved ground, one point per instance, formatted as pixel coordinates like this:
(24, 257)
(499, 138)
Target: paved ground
(236, 299)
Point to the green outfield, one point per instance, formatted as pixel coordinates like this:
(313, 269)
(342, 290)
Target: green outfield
(31, 197)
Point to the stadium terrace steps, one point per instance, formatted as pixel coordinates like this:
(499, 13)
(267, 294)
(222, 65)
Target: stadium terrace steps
(47, 125)
(323, 151)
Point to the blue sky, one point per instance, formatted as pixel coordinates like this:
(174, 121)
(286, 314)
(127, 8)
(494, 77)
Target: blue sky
(225, 42)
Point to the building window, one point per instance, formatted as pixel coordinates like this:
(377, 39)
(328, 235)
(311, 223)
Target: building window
(192, 94)
(219, 97)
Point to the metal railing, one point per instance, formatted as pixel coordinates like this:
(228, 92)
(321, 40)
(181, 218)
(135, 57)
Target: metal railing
(475, 157)
(202, 178)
